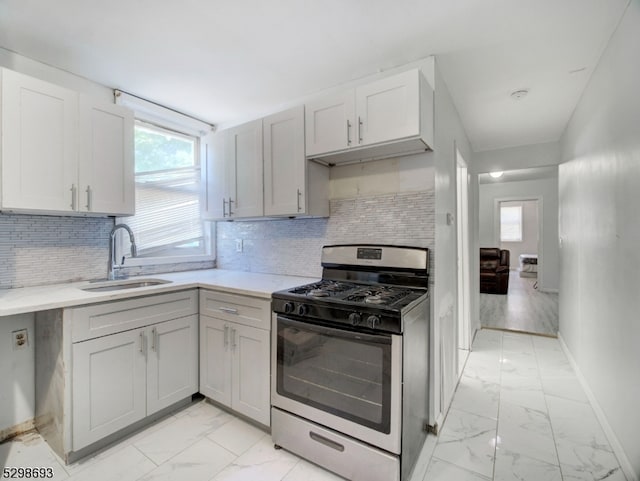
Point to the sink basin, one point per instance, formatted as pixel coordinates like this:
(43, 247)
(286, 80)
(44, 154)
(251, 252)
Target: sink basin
(119, 284)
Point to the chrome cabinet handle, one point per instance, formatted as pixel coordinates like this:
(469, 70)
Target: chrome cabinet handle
(230, 202)
(89, 198)
(299, 195)
(359, 130)
(224, 207)
(228, 310)
(226, 337)
(73, 196)
(348, 132)
(141, 342)
(233, 338)
(154, 342)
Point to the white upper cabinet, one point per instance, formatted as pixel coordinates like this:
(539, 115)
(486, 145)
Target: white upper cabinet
(259, 169)
(106, 167)
(39, 145)
(330, 123)
(388, 109)
(293, 185)
(232, 173)
(243, 148)
(63, 153)
(284, 163)
(389, 117)
(214, 190)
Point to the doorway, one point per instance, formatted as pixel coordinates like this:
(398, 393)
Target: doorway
(513, 217)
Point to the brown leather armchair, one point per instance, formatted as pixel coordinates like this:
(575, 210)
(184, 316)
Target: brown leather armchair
(494, 270)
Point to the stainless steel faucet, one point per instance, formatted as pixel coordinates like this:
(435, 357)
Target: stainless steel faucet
(113, 266)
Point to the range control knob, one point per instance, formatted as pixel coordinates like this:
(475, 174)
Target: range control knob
(355, 318)
(373, 321)
(289, 307)
(303, 310)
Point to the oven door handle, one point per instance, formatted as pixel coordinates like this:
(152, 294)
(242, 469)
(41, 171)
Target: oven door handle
(333, 332)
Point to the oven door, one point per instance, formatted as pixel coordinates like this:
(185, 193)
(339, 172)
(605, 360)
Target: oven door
(345, 380)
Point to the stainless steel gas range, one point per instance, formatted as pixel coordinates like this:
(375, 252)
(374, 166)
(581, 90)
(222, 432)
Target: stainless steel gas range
(350, 362)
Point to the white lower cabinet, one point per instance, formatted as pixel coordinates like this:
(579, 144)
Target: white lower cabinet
(234, 355)
(101, 368)
(122, 378)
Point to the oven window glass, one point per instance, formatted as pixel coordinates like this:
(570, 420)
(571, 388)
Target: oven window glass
(337, 371)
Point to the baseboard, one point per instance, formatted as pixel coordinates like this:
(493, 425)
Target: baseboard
(16, 430)
(625, 464)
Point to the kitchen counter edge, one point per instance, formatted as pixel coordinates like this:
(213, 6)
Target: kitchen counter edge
(57, 296)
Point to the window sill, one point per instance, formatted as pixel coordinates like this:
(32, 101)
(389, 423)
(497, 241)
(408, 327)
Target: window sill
(153, 261)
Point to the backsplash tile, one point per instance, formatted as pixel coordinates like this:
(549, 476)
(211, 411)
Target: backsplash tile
(293, 246)
(38, 250)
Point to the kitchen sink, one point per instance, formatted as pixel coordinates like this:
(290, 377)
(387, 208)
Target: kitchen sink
(119, 284)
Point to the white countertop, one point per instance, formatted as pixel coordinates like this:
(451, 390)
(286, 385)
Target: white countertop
(31, 299)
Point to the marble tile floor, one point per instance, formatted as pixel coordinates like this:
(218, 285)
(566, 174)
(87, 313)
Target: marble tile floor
(524, 308)
(519, 413)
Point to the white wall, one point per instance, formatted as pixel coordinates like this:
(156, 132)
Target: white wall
(17, 378)
(449, 134)
(526, 156)
(600, 232)
(545, 189)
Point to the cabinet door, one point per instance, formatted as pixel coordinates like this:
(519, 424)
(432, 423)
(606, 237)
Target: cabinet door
(251, 373)
(215, 359)
(106, 166)
(330, 123)
(243, 147)
(172, 362)
(284, 163)
(108, 385)
(388, 109)
(214, 180)
(39, 145)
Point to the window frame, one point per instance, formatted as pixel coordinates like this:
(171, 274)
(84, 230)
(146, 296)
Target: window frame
(154, 115)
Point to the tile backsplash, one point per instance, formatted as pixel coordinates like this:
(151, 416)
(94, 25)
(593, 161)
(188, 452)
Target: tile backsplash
(293, 246)
(37, 250)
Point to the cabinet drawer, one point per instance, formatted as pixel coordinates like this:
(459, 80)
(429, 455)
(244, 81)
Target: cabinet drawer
(250, 311)
(117, 316)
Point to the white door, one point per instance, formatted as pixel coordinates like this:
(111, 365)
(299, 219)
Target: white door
(388, 109)
(106, 166)
(284, 163)
(251, 372)
(108, 385)
(330, 123)
(215, 359)
(39, 145)
(214, 180)
(172, 362)
(244, 149)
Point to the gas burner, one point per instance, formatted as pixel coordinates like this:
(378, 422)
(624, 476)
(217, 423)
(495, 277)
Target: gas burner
(318, 293)
(374, 300)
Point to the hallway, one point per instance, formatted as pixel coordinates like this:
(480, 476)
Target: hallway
(520, 413)
(524, 308)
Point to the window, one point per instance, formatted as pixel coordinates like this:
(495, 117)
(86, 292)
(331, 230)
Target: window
(511, 223)
(167, 225)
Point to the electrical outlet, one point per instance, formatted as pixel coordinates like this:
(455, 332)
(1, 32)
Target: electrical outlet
(20, 339)
(238, 245)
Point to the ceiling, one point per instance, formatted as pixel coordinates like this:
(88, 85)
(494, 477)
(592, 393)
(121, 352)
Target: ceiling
(229, 60)
(519, 175)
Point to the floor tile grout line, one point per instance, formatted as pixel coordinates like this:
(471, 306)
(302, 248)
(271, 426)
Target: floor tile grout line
(544, 396)
(495, 447)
